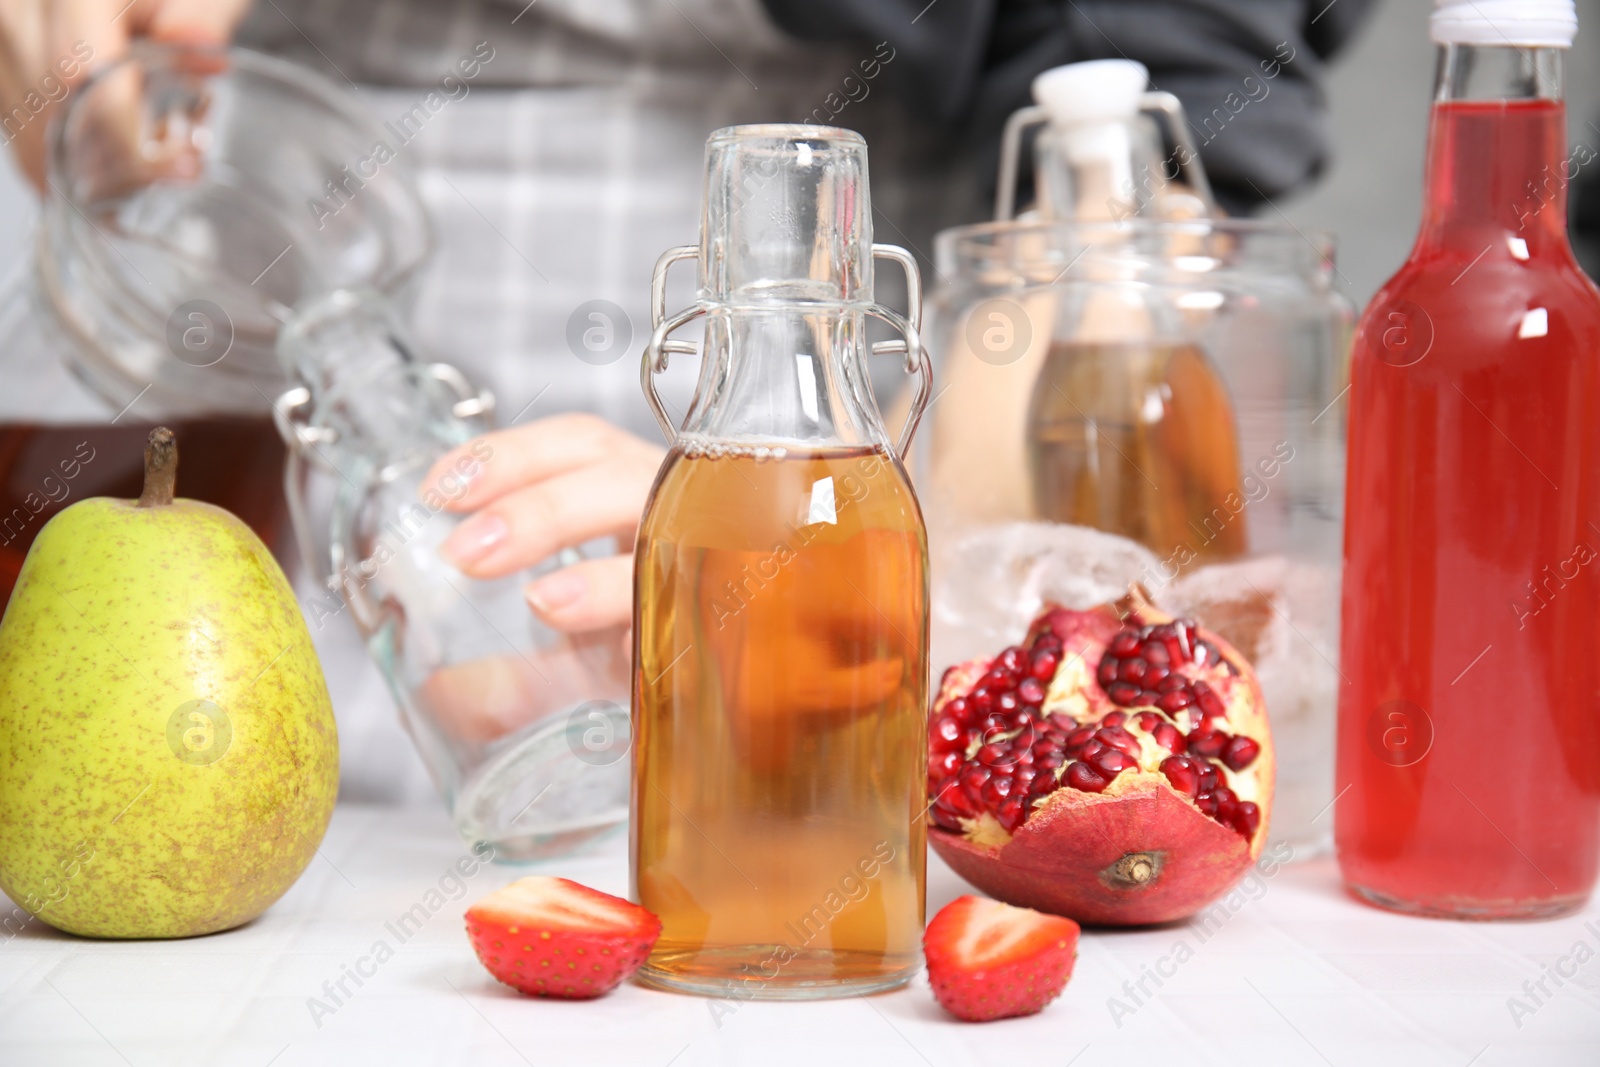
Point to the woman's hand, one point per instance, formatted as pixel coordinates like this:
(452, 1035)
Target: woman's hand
(549, 485)
(48, 47)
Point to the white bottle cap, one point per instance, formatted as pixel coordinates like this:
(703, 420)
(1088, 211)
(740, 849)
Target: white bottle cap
(1100, 90)
(1515, 23)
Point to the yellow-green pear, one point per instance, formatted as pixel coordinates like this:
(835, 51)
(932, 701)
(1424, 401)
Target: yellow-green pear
(168, 760)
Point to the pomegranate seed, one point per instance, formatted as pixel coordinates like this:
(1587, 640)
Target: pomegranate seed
(1174, 701)
(1209, 777)
(944, 818)
(1132, 670)
(1082, 776)
(1091, 748)
(995, 790)
(1183, 630)
(973, 777)
(1046, 745)
(1207, 744)
(1246, 818)
(982, 700)
(1154, 677)
(1117, 737)
(1044, 664)
(1022, 719)
(1047, 641)
(994, 723)
(1156, 654)
(1171, 684)
(1170, 738)
(1014, 659)
(958, 800)
(1062, 721)
(1050, 761)
(1023, 776)
(1031, 692)
(959, 710)
(1079, 737)
(943, 766)
(1175, 648)
(1124, 693)
(1112, 762)
(1007, 702)
(1148, 698)
(1182, 775)
(1207, 803)
(1240, 753)
(1115, 718)
(1147, 721)
(1210, 703)
(947, 735)
(995, 755)
(1012, 814)
(1125, 643)
(999, 679)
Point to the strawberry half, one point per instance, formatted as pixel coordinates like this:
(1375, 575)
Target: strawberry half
(551, 937)
(988, 960)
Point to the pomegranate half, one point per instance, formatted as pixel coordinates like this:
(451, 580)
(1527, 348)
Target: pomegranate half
(1115, 768)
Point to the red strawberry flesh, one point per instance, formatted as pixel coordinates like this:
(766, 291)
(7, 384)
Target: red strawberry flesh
(551, 937)
(988, 960)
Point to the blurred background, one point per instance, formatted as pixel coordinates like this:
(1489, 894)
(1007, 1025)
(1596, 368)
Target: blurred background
(1370, 197)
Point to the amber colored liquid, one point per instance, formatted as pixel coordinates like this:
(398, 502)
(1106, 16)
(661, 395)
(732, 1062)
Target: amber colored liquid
(1139, 440)
(1469, 724)
(233, 463)
(780, 687)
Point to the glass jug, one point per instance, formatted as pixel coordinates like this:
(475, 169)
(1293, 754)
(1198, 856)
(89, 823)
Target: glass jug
(1140, 392)
(175, 234)
(780, 629)
(1255, 554)
(521, 727)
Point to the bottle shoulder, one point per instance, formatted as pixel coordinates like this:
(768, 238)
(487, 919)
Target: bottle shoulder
(1483, 299)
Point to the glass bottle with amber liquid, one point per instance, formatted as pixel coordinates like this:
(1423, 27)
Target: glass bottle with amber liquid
(1129, 427)
(781, 619)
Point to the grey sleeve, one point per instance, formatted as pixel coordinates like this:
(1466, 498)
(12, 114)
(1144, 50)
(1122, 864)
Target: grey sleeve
(1249, 72)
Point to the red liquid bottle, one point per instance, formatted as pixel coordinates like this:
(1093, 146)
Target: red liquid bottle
(1469, 717)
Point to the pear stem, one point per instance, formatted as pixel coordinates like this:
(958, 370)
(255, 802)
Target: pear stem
(160, 469)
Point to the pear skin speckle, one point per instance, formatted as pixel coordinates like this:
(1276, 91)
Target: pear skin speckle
(168, 757)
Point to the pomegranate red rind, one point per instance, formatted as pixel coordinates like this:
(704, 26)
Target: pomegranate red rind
(1076, 856)
(1134, 788)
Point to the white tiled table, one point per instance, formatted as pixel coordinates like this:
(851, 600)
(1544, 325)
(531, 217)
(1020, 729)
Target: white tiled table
(1298, 975)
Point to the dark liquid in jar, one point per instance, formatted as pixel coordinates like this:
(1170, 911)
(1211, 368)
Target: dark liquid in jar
(234, 463)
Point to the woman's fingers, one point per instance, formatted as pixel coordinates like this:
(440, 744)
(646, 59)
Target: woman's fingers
(528, 525)
(596, 594)
(507, 460)
(48, 47)
(191, 21)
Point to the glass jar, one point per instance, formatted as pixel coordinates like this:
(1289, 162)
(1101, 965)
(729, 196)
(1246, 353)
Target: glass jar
(193, 197)
(521, 727)
(1173, 382)
(780, 627)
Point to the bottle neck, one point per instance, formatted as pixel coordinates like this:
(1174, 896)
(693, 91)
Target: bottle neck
(1497, 150)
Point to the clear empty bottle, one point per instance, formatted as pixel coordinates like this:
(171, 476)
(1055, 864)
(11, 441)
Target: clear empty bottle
(522, 728)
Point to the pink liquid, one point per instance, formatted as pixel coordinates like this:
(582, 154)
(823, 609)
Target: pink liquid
(1469, 724)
